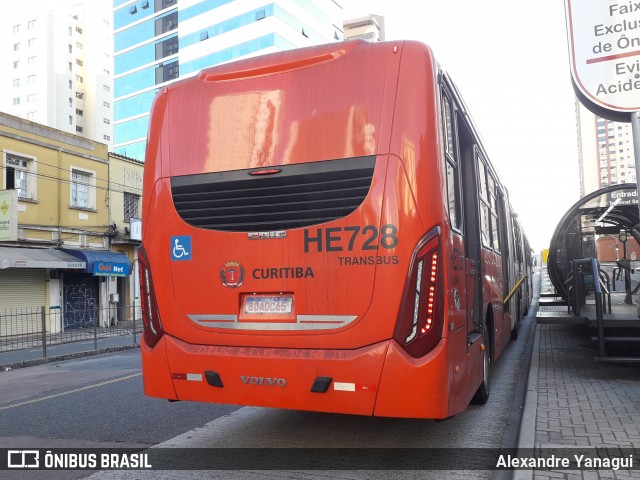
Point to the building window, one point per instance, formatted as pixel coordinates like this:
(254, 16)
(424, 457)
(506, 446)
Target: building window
(260, 14)
(31, 98)
(79, 129)
(106, 121)
(80, 95)
(16, 46)
(16, 82)
(106, 88)
(107, 137)
(79, 79)
(131, 202)
(31, 116)
(31, 61)
(169, 47)
(82, 188)
(70, 119)
(16, 100)
(79, 112)
(16, 64)
(166, 72)
(106, 104)
(204, 35)
(70, 84)
(31, 24)
(78, 45)
(16, 28)
(70, 102)
(70, 66)
(78, 29)
(32, 42)
(19, 174)
(145, 4)
(79, 62)
(166, 23)
(31, 79)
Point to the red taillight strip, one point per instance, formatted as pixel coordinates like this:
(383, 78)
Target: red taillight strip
(432, 293)
(150, 317)
(421, 316)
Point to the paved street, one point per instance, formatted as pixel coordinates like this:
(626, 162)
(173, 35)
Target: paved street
(572, 401)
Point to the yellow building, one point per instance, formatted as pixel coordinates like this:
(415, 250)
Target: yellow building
(125, 202)
(59, 257)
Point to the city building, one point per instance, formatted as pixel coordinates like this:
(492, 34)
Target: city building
(369, 27)
(606, 155)
(57, 62)
(125, 202)
(159, 41)
(606, 152)
(55, 227)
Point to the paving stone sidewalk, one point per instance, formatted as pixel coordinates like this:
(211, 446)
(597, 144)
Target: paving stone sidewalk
(582, 402)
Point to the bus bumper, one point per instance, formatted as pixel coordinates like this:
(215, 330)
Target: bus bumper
(275, 377)
(414, 387)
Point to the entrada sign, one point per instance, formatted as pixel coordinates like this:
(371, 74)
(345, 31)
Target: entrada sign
(604, 46)
(109, 269)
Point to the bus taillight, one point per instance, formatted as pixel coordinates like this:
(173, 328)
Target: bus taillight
(150, 316)
(419, 325)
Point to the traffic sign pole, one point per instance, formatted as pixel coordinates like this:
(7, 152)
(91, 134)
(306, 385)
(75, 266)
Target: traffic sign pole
(635, 132)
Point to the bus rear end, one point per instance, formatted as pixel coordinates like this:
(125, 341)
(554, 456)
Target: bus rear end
(286, 261)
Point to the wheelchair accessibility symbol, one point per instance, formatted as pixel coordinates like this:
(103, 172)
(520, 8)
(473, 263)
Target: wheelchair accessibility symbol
(181, 247)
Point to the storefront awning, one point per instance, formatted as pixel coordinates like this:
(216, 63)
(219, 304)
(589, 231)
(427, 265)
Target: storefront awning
(15, 257)
(103, 263)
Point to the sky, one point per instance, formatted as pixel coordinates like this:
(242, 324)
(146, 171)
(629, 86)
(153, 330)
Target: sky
(510, 62)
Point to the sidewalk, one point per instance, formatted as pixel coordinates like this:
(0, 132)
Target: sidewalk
(34, 356)
(573, 401)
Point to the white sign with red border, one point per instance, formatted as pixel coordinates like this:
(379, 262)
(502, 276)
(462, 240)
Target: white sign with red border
(604, 46)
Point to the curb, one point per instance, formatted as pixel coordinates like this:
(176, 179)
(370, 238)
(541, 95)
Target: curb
(527, 435)
(67, 356)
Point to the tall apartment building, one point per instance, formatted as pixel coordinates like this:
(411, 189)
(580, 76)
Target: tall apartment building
(159, 41)
(369, 27)
(56, 59)
(606, 152)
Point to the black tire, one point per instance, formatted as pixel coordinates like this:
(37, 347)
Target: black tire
(514, 331)
(482, 394)
(516, 324)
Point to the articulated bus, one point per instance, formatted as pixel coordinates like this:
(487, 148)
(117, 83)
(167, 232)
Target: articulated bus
(323, 231)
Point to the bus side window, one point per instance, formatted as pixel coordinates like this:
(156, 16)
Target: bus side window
(493, 202)
(485, 217)
(451, 159)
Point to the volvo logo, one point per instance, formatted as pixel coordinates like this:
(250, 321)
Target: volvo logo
(266, 381)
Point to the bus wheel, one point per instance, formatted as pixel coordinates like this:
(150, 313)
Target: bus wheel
(516, 324)
(514, 331)
(482, 394)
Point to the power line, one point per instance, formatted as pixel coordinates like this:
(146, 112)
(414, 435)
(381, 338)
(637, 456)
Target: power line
(39, 162)
(62, 180)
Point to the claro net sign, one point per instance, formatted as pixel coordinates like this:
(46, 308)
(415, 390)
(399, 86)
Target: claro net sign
(604, 46)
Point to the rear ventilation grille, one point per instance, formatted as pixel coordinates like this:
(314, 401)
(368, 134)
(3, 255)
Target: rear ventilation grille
(298, 196)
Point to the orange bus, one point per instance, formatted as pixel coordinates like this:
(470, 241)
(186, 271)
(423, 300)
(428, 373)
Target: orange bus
(323, 231)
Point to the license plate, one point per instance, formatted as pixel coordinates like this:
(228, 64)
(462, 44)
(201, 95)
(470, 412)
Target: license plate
(266, 305)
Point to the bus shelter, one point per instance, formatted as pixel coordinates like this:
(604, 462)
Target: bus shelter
(607, 214)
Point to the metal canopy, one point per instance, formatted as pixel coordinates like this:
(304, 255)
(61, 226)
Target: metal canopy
(15, 257)
(604, 212)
